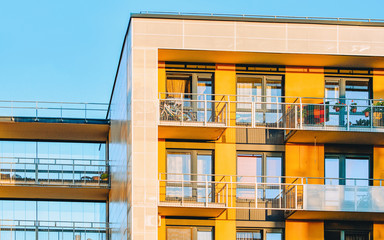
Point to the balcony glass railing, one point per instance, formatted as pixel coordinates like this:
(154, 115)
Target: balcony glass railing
(52, 171)
(268, 192)
(52, 230)
(289, 113)
(52, 111)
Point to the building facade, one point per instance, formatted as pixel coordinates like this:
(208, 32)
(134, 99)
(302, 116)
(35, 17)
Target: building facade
(233, 127)
(218, 127)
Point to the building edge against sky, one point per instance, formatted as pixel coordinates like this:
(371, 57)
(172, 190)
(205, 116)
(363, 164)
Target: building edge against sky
(312, 60)
(219, 127)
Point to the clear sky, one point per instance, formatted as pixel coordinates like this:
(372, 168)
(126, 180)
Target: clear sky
(68, 50)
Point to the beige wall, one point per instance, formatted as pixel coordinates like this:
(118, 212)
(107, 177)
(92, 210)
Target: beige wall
(259, 37)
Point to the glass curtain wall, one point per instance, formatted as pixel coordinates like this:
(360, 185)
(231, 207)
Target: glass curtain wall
(52, 220)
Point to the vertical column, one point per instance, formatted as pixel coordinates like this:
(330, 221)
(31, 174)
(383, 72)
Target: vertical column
(225, 149)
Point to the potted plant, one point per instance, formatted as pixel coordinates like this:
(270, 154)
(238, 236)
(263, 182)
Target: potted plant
(104, 176)
(338, 106)
(367, 111)
(353, 107)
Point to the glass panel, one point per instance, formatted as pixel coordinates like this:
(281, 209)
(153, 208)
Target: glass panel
(332, 235)
(248, 88)
(179, 83)
(178, 169)
(357, 168)
(332, 170)
(273, 169)
(248, 167)
(175, 233)
(248, 235)
(273, 88)
(274, 236)
(204, 235)
(332, 91)
(204, 86)
(356, 236)
(204, 166)
(357, 90)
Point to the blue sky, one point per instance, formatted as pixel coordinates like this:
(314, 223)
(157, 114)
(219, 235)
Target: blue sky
(69, 50)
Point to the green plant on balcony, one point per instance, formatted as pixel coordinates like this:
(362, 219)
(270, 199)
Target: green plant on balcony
(378, 107)
(353, 107)
(338, 106)
(362, 122)
(104, 176)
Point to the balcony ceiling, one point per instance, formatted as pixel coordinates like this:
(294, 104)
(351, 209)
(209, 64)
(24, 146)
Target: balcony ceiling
(54, 131)
(336, 215)
(261, 58)
(336, 137)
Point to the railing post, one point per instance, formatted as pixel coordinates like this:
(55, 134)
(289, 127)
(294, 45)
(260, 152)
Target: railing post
(295, 109)
(36, 170)
(371, 115)
(301, 114)
(182, 109)
(277, 112)
(296, 205)
(253, 109)
(182, 190)
(348, 117)
(280, 192)
(205, 109)
(226, 195)
(206, 190)
(255, 192)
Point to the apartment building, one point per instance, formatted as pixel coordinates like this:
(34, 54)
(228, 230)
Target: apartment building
(247, 127)
(218, 127)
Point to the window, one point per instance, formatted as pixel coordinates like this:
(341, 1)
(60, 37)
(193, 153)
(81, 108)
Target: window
(190, 169)
(267, 234)
(262, 168)
(353, 167)
(193, 91)
(189, 233)
(259, 89)
(356, 91)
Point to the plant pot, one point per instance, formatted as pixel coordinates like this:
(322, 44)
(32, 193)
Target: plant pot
(366, 114)
(337, 109)
(354, 110)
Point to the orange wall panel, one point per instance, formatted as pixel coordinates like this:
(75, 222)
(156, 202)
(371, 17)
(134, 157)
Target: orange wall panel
(303, 160)
(304, 82)
(295, 230)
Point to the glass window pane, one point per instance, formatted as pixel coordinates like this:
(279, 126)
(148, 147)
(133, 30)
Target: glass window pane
(357, 90)
(204, 235)
(274, 236)
(178, 233)
(332, 170)
(273, 169)
(332, 91)
(248, 235)
(179, 164)
(357, 168)
(249, 165)
(204, 166)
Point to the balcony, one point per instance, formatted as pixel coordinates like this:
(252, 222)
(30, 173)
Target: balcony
(53, 178)
(300, 197)
(211, 195)
(192, 116)
(53, 230)
(324, 120)
(53, 120)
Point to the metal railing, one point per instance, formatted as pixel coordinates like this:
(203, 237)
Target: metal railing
(54, 172)
(39, 111)
(53, 230)
(276, 112)
(270, 192)
(367, 20)
(193, 109)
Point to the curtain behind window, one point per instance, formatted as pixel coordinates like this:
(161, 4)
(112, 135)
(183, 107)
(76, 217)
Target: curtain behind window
(178, 86)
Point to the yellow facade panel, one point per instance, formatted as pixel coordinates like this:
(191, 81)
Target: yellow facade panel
(295, 230)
